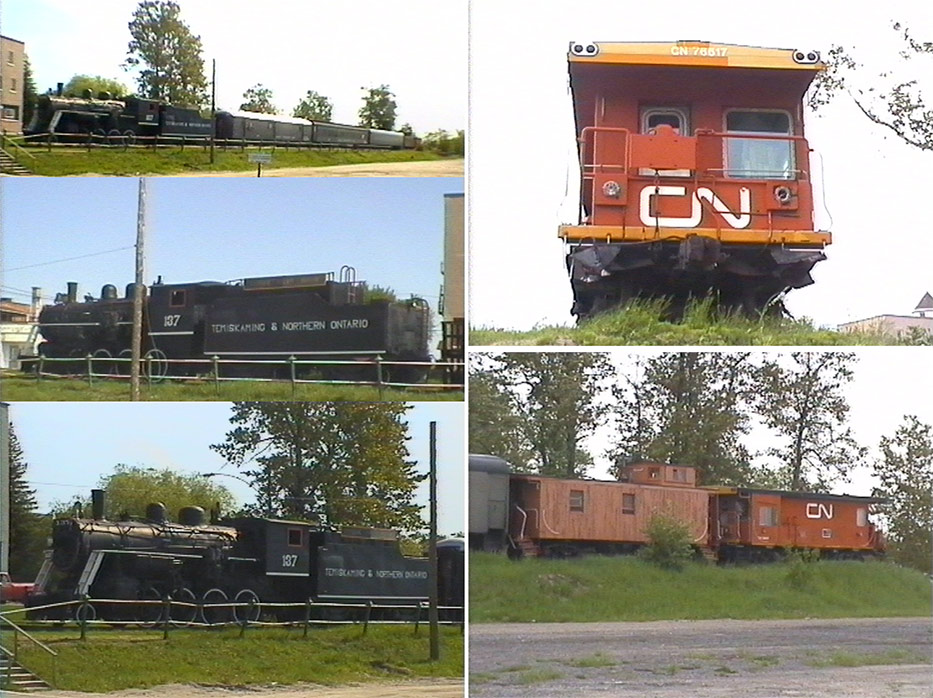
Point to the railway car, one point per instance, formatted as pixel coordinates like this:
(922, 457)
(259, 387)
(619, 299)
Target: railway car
(310, 316)
(754, 525)
(532, 515)
(124, 119)
(245, 560)
(695, 175)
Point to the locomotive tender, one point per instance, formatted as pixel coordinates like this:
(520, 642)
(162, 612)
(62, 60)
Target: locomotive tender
(310, 316)
(126, 118)
(242, 560)
(534, 515)
(695, 174)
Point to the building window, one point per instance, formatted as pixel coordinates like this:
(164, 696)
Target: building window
(759, 158)
(12, 84)
(861, 516)
(576, 500)
(9, 57)
(767, 516)
(628, 503)
(10, 112)
(177, 299)
(294, 536)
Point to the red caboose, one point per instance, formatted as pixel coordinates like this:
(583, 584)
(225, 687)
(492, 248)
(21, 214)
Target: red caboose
(695, 174)
(763, 524)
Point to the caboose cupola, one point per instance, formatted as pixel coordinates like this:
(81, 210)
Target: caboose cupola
(695, 173)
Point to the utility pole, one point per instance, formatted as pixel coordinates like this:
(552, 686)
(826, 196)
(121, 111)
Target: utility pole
(136, 346)
(432, 551)
(213, 105)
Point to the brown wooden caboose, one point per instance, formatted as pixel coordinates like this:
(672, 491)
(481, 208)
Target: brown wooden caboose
(556, 517)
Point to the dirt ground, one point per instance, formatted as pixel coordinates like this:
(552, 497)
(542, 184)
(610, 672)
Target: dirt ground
(417, 168)
(417, 689)
(851, 658)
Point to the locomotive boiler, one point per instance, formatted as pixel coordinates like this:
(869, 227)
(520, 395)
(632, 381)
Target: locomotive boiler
(309, 316)
(695, 175)
(244, 560)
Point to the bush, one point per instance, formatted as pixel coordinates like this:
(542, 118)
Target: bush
(669, 542)
(800, 571)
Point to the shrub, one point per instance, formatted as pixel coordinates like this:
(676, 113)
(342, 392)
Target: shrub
(669, 542)
(800, 571)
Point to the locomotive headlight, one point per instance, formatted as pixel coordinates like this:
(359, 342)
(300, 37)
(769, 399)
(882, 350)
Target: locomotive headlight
(612, 189)
(807, 56)
(584, 48)
(783, 194)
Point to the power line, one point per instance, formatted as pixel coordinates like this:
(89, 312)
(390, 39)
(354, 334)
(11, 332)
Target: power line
(69, 259)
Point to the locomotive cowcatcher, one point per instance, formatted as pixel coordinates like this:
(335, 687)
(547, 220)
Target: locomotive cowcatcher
(695, 175)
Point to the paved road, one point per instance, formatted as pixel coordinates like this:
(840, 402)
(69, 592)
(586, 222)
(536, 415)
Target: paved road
(668, 659)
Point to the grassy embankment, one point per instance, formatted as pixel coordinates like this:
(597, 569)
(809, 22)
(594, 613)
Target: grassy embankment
(627, 589)
(643, 323)
(19, 388)
(111, 660)
(116, 161)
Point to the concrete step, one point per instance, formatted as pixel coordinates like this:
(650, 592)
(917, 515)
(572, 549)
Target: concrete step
(9, 165)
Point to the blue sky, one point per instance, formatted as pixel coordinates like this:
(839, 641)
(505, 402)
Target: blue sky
(418, 48)
(69, 446)
(390, 229)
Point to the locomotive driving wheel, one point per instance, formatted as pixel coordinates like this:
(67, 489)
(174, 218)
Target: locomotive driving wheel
(249, 613)
(155, 364)
(215, 614)
(183, 615)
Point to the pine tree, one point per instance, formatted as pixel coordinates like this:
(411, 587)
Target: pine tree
(28, 530)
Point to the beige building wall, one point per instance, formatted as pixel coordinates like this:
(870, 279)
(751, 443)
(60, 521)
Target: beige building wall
(890, 324)
(12, 59)
(454, 226)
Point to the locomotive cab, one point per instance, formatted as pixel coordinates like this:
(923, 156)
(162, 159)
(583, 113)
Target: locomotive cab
(695, 174)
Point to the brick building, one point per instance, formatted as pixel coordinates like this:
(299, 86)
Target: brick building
(12, 61)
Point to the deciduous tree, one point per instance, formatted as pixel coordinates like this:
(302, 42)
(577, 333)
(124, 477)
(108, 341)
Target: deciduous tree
(258, 99)
(379, 107)
(905, 471)
(803, 401)
(495, 424)
(129, 489)
(689, 408)
(315, 107)
(168, 55)
(96, 84)
(344, 464)
(889, 97)
(558, 400)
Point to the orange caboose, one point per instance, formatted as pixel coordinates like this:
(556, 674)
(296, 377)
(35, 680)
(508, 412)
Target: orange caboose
(555, 517)
(755, 525)
(695, 174)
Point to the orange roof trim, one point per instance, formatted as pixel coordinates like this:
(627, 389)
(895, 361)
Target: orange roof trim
(695, 54)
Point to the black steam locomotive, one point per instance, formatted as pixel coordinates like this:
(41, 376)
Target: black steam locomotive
(309, 316)
(241, 560)
(125, 119)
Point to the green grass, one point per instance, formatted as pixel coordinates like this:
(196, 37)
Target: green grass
(107, 161)
(627, 589)
(18, 388)
(642, 323)
(853, 659)
(115, 661)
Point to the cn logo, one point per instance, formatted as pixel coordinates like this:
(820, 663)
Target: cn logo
(819, 511)
(736, 220)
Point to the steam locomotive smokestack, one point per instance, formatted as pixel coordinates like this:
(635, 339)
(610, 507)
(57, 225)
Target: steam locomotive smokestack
(97, 505)
(72, 291)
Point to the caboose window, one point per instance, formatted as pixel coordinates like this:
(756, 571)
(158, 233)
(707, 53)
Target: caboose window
(759, 158)
(678, 475)
(576, 500)
(294, 537)
(177, 299)
(628, 503)
(676, 118)
(767, 516)
(861, 517)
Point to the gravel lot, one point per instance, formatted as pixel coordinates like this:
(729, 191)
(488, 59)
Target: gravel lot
(416, 168)
(860, 658)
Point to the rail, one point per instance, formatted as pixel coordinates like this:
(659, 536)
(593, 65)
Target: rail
(155, 367)
(14, 653)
